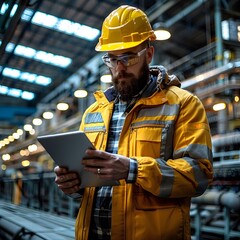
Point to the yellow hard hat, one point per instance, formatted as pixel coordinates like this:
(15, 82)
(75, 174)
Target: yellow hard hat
(125, 27)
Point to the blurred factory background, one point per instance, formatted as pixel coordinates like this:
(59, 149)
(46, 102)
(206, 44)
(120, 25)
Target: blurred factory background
(48, 72)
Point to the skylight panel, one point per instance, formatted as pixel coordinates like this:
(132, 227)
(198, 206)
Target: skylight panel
(45, 20)
(87, 32)
(5, 6)
(60, 61)
(18, 93)
(43, 55)
(14, 92)
(58, 24)
(52, 22)
(46, 57)
(25, 51)
(3, 89)
(27, 77)
(10, 72)
(9, 47)
(65, 26)
(27, 14)
(41, 80)
(27, 95)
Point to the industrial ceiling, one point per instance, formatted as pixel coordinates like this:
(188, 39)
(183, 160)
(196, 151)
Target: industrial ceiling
(191, 23)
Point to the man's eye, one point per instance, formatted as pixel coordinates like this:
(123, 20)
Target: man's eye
(131, 57)
(124, 58)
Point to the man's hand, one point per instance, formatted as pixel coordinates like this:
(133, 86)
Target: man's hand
(68, 182)
(107, 165)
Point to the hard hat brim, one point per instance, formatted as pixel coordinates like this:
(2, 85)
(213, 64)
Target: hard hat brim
(116, 46)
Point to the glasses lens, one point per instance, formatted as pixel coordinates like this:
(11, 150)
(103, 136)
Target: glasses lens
(127, 59)
(132, 60)
(124, 59)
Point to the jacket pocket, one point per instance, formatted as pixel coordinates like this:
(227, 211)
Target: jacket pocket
(146, 141)
(158, 218)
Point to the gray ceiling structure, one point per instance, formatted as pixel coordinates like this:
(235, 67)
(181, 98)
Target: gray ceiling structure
(191, 22)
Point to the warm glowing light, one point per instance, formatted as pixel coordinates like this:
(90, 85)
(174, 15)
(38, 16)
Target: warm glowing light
(4, 167)
(20, 132)
(25, 163)
(106, 78)
(22, 152)
(2, 144)
(37, 121)
(47, 115)
(15, 135)
(236, 98)
(10, 138)
(6, 157)
(6, 141)
(162, 34)
(219, 106)
(81, 93)
(62, 106)
(32, 132)
(27, 127)
(32, 148)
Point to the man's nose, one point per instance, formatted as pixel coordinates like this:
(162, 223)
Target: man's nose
(120, 65)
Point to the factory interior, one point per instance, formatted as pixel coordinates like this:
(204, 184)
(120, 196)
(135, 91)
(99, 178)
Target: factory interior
(49, 70)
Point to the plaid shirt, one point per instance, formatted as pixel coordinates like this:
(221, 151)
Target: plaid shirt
(102, 211)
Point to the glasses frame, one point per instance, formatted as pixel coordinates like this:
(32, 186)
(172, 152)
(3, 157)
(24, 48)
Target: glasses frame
(106, 59)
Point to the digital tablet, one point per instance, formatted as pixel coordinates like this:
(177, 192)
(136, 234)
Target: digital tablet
(67, 150)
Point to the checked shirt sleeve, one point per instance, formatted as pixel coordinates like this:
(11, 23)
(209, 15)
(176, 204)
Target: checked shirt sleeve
(132, 175)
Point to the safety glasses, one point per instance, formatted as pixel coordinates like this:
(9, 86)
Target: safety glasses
(126, 59)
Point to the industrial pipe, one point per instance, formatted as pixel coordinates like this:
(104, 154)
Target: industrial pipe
(210, 76)
(226, 139)
(227, 199)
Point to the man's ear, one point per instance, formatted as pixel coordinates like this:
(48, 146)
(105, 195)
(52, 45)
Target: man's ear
(150, 53)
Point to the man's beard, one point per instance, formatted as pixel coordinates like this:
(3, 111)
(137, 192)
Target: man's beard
(131, 86)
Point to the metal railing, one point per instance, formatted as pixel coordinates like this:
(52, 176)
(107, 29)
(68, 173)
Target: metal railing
(38, 191)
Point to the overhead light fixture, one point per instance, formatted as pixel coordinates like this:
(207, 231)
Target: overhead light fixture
(219, 106)
(25, 163)
(32, 132)
(20, 132)
(80, 93)
(62, 106)
(161, 32)
(106, 78)
(37, 121)
(32, 148)
(6, 141)
(47, 115)
(27, 127)
(24, 152)
(16, 135)
(11, 138)
(6, 157)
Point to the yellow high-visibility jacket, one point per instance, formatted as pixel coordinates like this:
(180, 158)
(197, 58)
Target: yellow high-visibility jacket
(167, 132)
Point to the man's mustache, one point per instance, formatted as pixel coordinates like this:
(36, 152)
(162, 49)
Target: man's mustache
(124, 74)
